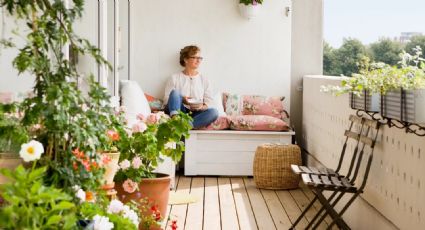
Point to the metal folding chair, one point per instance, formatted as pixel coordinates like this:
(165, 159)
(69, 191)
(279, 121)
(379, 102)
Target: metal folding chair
(364, 133)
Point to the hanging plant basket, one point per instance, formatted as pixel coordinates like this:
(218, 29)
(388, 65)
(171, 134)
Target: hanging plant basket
(368, 102)
(404, 105)
(249, 11)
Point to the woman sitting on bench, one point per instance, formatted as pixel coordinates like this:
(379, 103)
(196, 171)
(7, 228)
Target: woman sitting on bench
(189, 91)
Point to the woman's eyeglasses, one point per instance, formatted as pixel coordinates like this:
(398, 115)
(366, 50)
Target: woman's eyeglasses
(197, 58)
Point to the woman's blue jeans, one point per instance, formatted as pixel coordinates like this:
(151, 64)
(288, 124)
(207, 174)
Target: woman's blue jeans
(200, 118)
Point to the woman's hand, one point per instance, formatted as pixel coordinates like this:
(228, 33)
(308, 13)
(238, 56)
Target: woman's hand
(185, 98)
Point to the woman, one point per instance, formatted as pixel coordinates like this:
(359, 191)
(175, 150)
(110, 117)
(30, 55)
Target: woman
(190, 86)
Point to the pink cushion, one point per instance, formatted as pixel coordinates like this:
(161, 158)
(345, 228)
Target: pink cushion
(221, 123)
(235, 104)
(257, 123)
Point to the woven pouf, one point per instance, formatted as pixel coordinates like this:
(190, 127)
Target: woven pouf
(272, 166)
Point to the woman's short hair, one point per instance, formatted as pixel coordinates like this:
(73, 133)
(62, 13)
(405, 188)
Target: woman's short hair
(187, 52)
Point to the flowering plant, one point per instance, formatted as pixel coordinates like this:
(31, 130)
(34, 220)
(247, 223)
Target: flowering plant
(381, 77)
(151, 139)
(12, 133)
(251, 2)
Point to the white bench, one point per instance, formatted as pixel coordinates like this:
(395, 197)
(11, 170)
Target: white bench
(226, 152)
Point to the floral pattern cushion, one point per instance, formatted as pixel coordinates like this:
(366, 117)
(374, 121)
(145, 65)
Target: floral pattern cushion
(262, 105)
(232, 104)
(257, 123)
(222, 122)
(154, 103)
(235, 104)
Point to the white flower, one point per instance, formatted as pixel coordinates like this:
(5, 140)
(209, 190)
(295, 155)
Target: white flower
(81, 195)
(76, 187)
(136, 162)
(115, 206)
(125, 164)
(131, 215)
(170, 145)
(31, 151)
(102, 223)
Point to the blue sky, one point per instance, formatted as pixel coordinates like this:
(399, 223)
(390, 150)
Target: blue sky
(368, 20)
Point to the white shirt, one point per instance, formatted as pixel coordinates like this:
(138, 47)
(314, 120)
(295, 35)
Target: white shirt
(197, 87)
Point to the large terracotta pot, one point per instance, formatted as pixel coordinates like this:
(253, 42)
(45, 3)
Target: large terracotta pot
(9, 161)
(111, 169)
(154, 190)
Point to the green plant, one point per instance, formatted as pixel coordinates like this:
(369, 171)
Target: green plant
(152, 138)
(12, 133)
(381, 77)
(69, 119)
(32, 205)
(251, 2)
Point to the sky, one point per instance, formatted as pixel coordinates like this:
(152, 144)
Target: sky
(369, 20)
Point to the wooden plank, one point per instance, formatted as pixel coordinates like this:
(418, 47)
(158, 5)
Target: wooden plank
(302, 202)
(195, 211)
(280, 219)
(296, 169)
(305, 169)
(261, 213)
(166, 221)
(243, 206)
(211, 205)
(229, 219)
(178, 212)
(291, 208)
(352, 135)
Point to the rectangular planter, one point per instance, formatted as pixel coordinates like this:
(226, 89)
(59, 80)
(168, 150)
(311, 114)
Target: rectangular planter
(409, 107)
(371, 104)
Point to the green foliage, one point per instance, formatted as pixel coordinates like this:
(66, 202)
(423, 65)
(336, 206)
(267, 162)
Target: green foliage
(415, 41)
(251, 2)
(162, 138)
(89, 210)
(386, 51)
(348, 56)
(12, 133)
(69, 119)
(31, 205)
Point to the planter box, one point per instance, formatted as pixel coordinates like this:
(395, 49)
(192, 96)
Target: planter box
(408, 108)
(371, 104)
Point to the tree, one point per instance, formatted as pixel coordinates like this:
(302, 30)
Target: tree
(329, 67)
(416, 41)
(386, 50)
(348, 56)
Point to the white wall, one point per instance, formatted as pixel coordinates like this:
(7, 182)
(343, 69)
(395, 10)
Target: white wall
(240, 55)
(9, 79)
(395, 193)
(307, 52)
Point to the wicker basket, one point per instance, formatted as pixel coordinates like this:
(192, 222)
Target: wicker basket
(272, 166)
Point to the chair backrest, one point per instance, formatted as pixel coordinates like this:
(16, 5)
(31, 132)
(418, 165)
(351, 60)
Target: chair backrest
(365, 136)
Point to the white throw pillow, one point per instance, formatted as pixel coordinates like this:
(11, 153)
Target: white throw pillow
(218, 104)
(134, 100)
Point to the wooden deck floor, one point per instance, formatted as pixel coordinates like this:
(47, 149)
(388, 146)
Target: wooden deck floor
(235, 203)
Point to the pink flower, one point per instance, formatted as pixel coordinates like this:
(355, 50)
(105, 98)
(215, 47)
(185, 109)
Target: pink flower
(125, 164)
(139, 127)
(129, 186)
(254, 2)
(152, 119)
(136, 162)
(113, 135)
(141, 117)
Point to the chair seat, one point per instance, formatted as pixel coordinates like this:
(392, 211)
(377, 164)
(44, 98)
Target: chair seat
(313, 170)
(333, 183)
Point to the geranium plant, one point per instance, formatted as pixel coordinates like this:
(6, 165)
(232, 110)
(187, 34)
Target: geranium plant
(251, 2)
(381, 77)
(152, 138)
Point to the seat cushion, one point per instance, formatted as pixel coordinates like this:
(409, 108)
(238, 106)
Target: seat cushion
(257, 123)
(222, 122)
(134, 101)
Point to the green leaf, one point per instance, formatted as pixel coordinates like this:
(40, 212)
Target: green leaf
(55, 219)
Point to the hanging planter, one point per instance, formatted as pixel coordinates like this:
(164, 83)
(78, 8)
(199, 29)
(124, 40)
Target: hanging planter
(367, 101)
(250, 8)
(404, 105)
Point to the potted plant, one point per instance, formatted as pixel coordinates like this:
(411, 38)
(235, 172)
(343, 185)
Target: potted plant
(249, 8)
(401, 89)
(150, 139)
(12, 135)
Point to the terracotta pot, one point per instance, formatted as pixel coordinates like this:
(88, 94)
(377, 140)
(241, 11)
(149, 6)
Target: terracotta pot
(111, 169)
(9, 161)
(155, 191)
